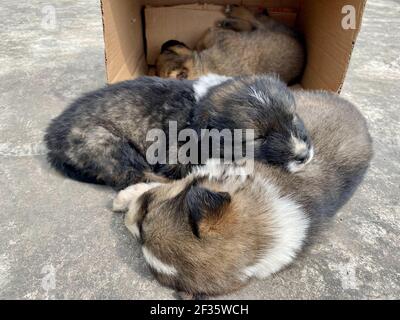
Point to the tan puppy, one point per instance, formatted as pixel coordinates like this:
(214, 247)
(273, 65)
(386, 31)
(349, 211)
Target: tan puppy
(211, 232)
(242, 44)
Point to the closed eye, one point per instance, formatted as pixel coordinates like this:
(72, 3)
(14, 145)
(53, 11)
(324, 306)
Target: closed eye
(144, 208)
(141, 233)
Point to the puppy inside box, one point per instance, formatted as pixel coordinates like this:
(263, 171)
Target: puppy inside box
(134, 31)
(189, 23)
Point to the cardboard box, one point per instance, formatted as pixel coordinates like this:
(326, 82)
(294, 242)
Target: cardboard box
(133, 34)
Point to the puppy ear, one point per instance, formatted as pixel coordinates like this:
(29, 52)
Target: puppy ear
(175, 47)
(171, 43)
(181, 51)
(205, 207)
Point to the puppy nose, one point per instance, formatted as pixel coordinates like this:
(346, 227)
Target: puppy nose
(302, 157)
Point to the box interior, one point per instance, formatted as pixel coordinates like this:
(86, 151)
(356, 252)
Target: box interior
(132, 42)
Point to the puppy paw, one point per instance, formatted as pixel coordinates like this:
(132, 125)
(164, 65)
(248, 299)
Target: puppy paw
(125, 197)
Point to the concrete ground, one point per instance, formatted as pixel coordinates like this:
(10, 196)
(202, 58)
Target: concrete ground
(58, 237)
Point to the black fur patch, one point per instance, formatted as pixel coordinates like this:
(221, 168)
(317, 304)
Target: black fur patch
(171, 43)
(200, 201)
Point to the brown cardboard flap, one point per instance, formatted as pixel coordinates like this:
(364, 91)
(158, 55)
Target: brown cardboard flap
(123, 37)
(329, 46)
(186, 23)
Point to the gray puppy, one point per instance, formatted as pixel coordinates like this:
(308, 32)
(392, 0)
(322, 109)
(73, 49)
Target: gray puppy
(101, 137)
(213, 231)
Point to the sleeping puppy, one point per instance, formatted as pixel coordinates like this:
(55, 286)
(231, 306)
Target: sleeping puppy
(242, 44)
(280, 137)
(103, 136)
(211, 232)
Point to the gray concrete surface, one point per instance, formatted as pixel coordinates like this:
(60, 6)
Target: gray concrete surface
(58, 238)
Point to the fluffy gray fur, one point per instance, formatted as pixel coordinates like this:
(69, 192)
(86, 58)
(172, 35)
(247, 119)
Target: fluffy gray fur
(101, 137)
